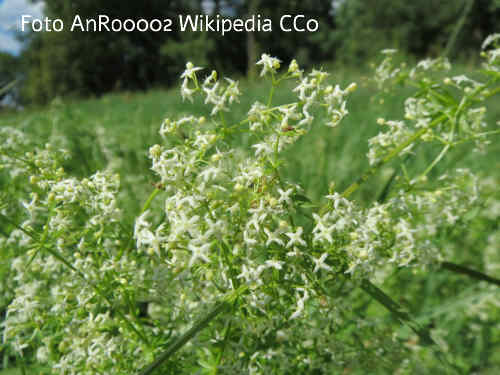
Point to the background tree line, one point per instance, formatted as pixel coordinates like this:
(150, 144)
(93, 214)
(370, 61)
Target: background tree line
(75, 63)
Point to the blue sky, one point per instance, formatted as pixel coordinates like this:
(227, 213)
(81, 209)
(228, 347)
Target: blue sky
(10, 16)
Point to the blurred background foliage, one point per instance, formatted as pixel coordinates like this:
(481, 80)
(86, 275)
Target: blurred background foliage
(56, 64)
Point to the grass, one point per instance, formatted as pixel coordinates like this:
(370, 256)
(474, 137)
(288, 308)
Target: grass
(117, 130)
(127, 124)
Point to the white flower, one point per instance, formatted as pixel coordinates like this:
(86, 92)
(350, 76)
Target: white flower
(246, 273)
(190, 71)
(248, 239)
(300, 304)
(304, 85)
(273, 237)
(285, 196)
(232, 91)
(295, 238)
(263, 148)
(490, 39)
(199, 252)
(389, 51)
(269, 64)
(186, 92)
(294, 253)
(319, 263)
(141, 223)
(276, 264)
(212, 96)
(181, 224)
(209, 173)
(260, 212)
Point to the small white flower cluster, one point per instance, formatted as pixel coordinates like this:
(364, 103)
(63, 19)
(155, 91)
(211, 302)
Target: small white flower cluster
(384, 142)
(437, 65)
(269, 64)
(76, 258)
(215, 93)
(386, 70)
(13, 140)
(491, 49)
(396, 232)
(313, 89)
(435, 113)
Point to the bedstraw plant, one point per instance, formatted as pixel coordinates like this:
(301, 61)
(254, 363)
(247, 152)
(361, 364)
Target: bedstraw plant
(230, 268)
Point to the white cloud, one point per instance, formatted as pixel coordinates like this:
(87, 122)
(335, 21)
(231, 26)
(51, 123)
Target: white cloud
(9, 43)
(10, 19)
(11, 11)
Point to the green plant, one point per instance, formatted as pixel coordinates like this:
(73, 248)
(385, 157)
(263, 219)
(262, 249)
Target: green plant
(232, 238)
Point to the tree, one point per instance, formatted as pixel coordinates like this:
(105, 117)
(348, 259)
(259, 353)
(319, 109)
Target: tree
(420, 27)
(66, 62)
(9, 73)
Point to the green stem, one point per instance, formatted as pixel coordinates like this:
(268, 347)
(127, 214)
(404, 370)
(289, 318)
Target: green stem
(475, 136)
(405, 318)
(271, 93)
(355, 186)
(17, 226)
(469, 272)
(397, 310)
(199, 325)
(493, 92)
(435, 161)
(41, 244)
(4, 233)
(224, 343)
(458, 27)
(150, 199)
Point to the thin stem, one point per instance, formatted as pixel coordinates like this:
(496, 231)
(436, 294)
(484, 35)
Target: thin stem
(475, 136)
(355, 185)
(150, 199)
(385, 191)
(224, 344)
(3, 233)
(397, 310)
(41, 244)
(405, 318)
(469, 272)
(199, 325)
(271, 93)
(493, 92)
(435, 161)
(453, 38)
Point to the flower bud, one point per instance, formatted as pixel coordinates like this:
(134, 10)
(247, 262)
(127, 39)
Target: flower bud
(155, 151)
(283, 225)
(352, 87)
(293, 66)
